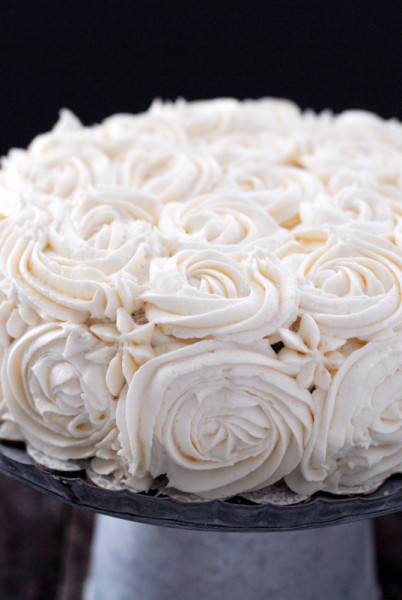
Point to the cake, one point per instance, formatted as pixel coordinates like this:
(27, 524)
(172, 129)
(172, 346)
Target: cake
(206, 297)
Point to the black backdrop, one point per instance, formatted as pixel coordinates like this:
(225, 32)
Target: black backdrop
(107, 56)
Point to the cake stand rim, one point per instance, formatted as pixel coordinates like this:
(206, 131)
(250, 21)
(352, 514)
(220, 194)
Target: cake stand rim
(320, 510)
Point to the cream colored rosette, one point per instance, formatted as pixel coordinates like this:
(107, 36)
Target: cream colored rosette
(59, 163)
(200, 119)
(201, 293)
(88, 260)
(359, 123)
(360, 142)
(278, 147)
(217, 419)
(280, 190)
(351, 284)
(221, 117)
(148, 131)
(172, 175)
(357, 440)
(372, 209)
(60, 172)
(223, 220)
(228, 129)
(15, 320)
(58, 396)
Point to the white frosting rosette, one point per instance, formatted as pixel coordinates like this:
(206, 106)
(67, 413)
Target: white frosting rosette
(280, 190)
(361, 150)
(170, 175)
(90, 258)
(59, 163)
(351, 285)
(357, 440)
(150, 131)
(358, 207)
(201, 293)
(59, 173)
(217, 118)
(203, 119)
(68, 133)
(222, 220)
(364, 123)
(217, 419)
(275, 114)
(278, 147)
(56, 394)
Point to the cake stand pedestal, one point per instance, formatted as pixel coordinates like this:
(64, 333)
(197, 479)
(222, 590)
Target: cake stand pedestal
(241, 550)
(132, 561)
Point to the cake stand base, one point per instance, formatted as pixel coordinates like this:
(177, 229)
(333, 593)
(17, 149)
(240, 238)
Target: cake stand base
(135, 560)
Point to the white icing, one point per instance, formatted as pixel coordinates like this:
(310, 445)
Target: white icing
(202, 293)
(361, 208)
(58, 173)
(223, 221)
(56, 395)
(349, 144)
(88, 259)
(357, 438)
(351, 286)
(280, 190)
(170, 175)
(216, 418)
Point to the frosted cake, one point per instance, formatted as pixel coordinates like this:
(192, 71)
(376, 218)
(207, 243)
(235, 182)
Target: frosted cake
(208, 294)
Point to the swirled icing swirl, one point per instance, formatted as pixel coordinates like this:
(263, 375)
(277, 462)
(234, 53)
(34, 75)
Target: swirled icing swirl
(215, 418)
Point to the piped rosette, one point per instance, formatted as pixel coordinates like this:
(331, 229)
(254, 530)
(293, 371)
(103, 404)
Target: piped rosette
(205, 293)
(351, 285)
(56, 394)
(215, 418)
(85, 258)
(357, 435)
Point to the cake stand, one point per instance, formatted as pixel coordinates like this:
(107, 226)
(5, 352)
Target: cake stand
(236, 514)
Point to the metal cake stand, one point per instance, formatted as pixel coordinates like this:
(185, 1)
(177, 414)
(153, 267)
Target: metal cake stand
(236, 514)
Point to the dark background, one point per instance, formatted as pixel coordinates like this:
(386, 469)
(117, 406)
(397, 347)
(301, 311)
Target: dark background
(108, 56)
